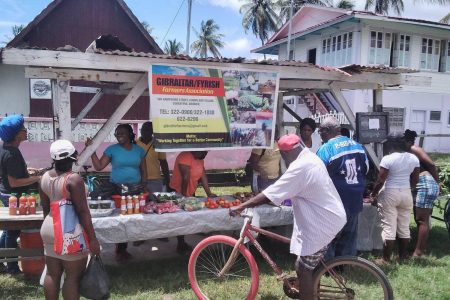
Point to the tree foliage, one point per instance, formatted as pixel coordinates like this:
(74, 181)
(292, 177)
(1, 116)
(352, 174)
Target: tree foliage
(384, 6)
(261, 17)
(16, 29)
(173, 47)
(208, 39)
(284, 6)
(345, 4)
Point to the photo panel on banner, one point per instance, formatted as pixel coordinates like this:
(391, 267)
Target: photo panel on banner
(194, 108)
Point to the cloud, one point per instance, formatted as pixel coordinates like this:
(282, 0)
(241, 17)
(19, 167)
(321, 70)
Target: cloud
(238, 47)
(232, 4)
(8, 24)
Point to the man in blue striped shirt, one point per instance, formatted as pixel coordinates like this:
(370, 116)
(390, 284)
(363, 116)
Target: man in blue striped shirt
(347, 165)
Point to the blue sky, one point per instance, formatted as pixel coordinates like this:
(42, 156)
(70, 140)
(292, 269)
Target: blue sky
(160, 14)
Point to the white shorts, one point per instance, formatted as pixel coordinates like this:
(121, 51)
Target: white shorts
(395, 206)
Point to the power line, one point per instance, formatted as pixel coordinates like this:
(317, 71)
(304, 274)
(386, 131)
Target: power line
(168, 29)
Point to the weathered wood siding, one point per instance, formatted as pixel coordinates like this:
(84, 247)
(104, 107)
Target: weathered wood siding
(79, 22)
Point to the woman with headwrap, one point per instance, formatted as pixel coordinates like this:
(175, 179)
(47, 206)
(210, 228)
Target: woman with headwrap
(14, 174)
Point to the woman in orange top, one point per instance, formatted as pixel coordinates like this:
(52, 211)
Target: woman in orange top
(189, 169)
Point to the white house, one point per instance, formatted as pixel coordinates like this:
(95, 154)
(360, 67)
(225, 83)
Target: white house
(337, 37)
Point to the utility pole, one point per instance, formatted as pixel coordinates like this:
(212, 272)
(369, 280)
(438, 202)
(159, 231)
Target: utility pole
(289, 31)
(188, 27)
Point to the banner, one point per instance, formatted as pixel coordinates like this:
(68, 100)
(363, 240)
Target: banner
(195, 108)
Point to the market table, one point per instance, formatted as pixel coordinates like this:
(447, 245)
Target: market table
(118, 228)
(125, 228)
(8, 222)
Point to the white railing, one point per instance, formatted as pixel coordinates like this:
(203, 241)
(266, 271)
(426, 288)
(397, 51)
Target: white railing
(42, 129)
(338, 115)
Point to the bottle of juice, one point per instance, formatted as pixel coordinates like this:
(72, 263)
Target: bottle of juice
(12, 205)
(136, 204)
(123, 206)
(129, 205)
(38, 199)
(23, 207)
(31, 204)
(141, 202)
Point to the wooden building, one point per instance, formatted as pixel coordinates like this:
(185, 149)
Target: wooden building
(78, 23)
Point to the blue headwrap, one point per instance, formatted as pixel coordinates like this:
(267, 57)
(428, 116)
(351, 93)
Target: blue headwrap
(10, 127)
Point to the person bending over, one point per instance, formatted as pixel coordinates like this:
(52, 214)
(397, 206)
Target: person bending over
(188, 171)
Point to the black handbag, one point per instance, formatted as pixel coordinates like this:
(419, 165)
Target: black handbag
(95, 283)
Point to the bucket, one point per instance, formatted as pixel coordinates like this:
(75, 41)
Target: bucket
(32, 239)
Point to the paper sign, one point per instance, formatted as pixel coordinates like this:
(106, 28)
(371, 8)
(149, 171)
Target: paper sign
(374, 123)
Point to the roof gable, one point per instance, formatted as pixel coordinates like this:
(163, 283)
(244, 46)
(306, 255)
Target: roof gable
(306, 17)
(79, 22)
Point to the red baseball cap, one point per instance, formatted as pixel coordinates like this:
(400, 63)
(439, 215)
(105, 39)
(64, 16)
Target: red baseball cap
(288, 142)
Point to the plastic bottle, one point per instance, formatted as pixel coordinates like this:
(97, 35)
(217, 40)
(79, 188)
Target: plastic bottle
(129, 205)
(38, 199)
(12, 204)
(141, 202)
(123, 206)
(136, 204)
(31, 204)
(23, 207)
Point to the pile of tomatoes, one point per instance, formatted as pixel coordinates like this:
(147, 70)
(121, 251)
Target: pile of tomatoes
(221, 202)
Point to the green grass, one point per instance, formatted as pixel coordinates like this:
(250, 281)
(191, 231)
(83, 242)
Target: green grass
(440, 158)
(426, 278)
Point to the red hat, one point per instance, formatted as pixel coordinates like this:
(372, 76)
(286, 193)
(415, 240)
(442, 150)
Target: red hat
(288, 142)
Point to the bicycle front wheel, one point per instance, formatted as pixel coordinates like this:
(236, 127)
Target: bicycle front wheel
(351, 277)
(209, 257)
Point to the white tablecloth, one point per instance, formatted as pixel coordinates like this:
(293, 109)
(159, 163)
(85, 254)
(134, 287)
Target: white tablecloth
(118, 228)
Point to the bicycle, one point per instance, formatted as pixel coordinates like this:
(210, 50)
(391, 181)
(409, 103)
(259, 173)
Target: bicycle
(445, 210)
(220, 260)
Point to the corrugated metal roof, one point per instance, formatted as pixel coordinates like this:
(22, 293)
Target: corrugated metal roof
(356, 69)
(221, 60)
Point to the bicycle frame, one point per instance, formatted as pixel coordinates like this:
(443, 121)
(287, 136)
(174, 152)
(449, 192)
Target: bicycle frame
(246, 232)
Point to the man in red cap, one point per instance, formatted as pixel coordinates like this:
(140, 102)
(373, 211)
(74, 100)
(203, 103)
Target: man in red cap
(318, 211)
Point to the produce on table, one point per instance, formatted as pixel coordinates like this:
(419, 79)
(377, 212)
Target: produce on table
(221, 202)
(191, 204)
(163, 197)
(160, 208)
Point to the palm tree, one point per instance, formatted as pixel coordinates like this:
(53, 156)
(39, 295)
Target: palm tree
(147, 27)
(345, 4)
(384, 6)
(208, 40)
(445, 19)
(261, 16)
(173, 47)
(16, 29)
(284, 6)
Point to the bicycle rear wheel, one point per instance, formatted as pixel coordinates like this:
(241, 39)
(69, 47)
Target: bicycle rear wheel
(207, 260)
(352, 278)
